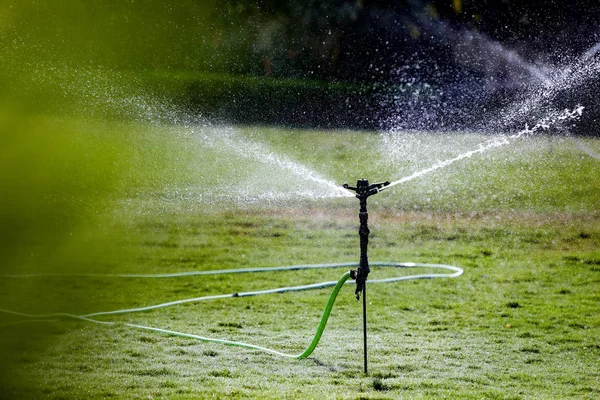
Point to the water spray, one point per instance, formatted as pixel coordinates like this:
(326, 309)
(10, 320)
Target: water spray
(363, 190)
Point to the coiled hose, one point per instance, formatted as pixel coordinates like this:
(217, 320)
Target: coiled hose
(337, 286)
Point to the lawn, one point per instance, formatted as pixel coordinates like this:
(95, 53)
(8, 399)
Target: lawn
(102, 197)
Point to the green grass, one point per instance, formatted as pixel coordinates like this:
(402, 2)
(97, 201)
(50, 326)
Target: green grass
(522, 220)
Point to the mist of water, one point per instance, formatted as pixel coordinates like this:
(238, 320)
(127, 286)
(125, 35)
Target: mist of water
(564, 82)
(591, 52)
(285, 179)
(584, 149)
(476, 50)
(271, 177)
(501, 140)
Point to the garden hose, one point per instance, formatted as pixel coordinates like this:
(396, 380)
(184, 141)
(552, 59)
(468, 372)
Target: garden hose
(320, 329)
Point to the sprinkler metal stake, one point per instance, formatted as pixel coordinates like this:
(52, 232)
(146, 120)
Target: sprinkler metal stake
(363, 191)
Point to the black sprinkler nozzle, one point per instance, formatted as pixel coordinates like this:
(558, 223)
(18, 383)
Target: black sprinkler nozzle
(363, 189)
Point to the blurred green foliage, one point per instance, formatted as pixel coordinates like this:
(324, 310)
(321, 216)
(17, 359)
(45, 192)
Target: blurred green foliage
(54, 183)
(109, 33)
(207, 35)
(53, 177)
(202, 57)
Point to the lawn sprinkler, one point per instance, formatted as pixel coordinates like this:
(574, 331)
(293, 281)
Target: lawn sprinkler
(363, 190)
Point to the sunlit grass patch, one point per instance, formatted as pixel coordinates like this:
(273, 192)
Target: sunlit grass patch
(124, 197)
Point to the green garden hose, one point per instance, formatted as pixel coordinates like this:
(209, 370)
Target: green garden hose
(320, 329)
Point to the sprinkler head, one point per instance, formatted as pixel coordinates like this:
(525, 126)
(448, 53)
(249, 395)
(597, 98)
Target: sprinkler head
(364, 190)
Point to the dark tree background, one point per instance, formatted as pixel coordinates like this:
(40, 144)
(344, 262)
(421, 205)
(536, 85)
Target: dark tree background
(406, 64)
